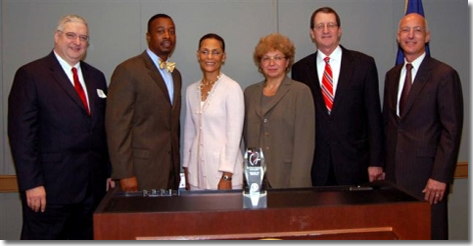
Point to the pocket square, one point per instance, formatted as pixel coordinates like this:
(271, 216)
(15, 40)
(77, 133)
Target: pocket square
(101, 93)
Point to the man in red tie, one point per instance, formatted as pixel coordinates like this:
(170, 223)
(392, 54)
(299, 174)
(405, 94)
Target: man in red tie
(57, 138)
(80, 90)
(327, 85)
(344, 84)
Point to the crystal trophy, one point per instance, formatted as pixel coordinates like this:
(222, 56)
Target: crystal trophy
(254, 194)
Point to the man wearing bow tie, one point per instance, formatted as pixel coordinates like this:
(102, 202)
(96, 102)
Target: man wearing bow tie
(142, 115)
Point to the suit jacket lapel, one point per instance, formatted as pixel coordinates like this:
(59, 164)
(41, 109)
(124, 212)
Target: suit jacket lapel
(419, 82)
(346, 72)
(156, 75)
(258, 94)
(394, 90)
(282, 90)
(63, 80)
(312, 74)
(177, 88)
(92, 93)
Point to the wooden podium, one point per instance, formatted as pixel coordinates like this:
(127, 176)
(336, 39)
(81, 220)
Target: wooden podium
(375, 212)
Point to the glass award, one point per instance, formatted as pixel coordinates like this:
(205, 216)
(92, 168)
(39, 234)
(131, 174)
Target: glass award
(254, 194)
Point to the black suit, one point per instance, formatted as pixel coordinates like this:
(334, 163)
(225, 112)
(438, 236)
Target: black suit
(424, 142)
(349, 139)
(55, 143)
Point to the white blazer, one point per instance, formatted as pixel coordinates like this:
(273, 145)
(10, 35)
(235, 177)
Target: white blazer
(213, 133)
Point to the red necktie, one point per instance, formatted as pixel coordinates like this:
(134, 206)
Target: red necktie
(80, 90)
(327, 85)
(406, 88)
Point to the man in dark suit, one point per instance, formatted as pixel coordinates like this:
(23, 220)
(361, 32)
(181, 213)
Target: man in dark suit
(349, 136)
(423, 134)
(143, 111)
(57, 140)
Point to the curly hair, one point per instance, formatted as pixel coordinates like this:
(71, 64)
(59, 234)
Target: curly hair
(275, 42)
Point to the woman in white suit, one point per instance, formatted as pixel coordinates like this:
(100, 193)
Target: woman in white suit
(213, 123)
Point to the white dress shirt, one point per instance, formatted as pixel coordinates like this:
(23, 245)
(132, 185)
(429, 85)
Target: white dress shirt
(415, 67)
(335, 63)
(68, 70)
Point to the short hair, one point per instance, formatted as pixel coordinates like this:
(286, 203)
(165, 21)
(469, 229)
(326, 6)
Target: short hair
(275, 42)
(156, 16)
(326, 10)
(212, 36)
(70, 18)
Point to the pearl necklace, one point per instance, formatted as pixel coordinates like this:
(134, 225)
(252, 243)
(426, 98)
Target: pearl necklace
(207, 86)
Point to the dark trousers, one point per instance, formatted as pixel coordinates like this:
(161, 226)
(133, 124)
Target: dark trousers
(439, 220)
(331, 179)
(59, 221)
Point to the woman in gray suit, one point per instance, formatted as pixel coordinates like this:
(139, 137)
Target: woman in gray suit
(280, 116)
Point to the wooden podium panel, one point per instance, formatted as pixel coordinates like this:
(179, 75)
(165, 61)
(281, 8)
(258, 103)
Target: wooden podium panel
(379, 211)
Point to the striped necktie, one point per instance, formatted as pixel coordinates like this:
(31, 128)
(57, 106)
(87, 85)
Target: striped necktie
(327, 85)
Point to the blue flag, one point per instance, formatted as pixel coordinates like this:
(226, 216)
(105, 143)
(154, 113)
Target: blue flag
(412, 6)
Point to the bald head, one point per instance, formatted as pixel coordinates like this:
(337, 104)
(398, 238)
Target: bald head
(413, 35)
(413, 16)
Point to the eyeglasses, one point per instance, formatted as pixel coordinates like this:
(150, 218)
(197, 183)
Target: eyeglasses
(73, 36)
(213, 52)
(417, 30)
(267, 59)
(331, 26)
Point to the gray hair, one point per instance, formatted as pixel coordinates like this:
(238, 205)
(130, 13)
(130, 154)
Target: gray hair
(70, 18)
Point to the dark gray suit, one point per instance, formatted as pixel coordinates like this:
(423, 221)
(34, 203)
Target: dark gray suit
(142, 125)
(351, 137)
(424, 142)
(55, 143)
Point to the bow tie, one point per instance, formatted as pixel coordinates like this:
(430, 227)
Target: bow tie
(168, 65)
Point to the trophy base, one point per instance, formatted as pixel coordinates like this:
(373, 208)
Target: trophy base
(255, 200)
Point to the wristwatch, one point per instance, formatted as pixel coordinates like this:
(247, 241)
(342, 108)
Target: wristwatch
(226, 177)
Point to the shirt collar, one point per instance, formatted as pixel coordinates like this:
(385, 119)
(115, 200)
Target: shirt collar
(65, 66)
(416, 63)
(154, 58)
(336, 55)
